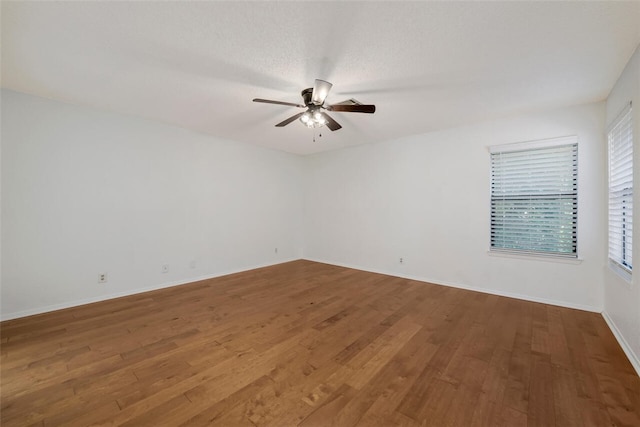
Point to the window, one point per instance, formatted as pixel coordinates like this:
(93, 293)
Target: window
(534, 197)
(620, 140)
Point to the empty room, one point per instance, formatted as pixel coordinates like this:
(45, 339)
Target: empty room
(283, 213)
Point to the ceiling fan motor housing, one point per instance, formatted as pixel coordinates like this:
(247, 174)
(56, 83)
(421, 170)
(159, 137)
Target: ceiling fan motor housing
(306, 96)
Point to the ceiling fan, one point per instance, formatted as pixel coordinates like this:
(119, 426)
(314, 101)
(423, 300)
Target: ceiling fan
(315, 116)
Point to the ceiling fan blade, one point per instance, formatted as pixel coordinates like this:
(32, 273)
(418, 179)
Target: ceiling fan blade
(352, 108)
(320, 91)
(289, 120)
(349, 101)
(268, 101)
(331, 124)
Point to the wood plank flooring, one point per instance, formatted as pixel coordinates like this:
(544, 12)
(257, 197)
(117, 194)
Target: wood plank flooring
(309, 344)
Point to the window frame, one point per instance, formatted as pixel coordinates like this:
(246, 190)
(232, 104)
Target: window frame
(531, 252)
(622, 265)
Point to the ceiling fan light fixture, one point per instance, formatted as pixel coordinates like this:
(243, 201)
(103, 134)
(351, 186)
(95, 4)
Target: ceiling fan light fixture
(320, 91)
(313, 119)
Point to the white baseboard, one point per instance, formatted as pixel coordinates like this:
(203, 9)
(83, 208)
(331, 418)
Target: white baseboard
(633, 358)
(469, 288)
(75, 303)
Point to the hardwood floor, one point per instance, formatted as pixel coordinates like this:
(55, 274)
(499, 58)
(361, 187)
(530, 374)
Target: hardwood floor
(311, 344)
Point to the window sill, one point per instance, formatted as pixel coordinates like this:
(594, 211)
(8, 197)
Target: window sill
(532, 257)
(620, 272)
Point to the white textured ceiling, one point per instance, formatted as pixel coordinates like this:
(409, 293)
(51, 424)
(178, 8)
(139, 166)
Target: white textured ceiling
(426, 65)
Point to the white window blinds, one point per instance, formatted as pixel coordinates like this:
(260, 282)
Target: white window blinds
(620, 139)
(534, 197)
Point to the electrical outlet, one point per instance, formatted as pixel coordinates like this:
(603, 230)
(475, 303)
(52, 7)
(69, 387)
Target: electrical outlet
(276, 251)
(165, 268)
(102, 278)
(401, 260)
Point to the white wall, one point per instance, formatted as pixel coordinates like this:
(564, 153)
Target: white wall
(86, 191)
(622, 299)
(426, 199)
